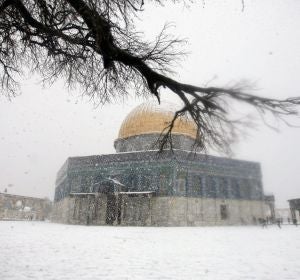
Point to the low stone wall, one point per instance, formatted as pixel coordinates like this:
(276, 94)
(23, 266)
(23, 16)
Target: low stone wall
(185, 211)
(136, 210)
(80, 209)
(17, 207)
(146, 210)
(62, 211)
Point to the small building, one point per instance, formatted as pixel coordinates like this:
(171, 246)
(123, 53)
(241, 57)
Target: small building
(270, 208)
(18, 207)
(295, 209)
(139, 186)
(284, 215)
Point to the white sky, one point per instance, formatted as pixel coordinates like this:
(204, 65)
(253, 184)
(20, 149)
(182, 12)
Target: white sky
(42, 127)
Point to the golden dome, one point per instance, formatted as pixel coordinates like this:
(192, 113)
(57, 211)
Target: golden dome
(151, 118)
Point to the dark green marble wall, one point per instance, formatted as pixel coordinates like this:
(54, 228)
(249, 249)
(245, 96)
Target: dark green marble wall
(166, 176)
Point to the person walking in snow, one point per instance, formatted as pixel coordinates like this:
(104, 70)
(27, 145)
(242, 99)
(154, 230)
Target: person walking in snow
(295, 222)
(278, 222)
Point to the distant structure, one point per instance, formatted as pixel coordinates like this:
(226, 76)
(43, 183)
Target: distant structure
(138, 186)
(294, 207)
(285, 216)
(18, 207)
(270, 208)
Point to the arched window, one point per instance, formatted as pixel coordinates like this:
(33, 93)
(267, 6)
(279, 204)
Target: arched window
(197, 186)
(211, 183)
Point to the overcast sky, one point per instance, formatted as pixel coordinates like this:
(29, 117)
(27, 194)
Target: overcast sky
(42, 127)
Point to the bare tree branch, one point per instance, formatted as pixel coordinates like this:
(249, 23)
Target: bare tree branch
(94, 44)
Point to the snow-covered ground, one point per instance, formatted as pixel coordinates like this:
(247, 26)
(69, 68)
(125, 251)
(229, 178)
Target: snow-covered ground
(37, 250)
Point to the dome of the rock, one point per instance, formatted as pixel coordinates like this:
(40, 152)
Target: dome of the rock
(138, 186)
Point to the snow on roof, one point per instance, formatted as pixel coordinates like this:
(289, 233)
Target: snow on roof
(94, 193)
(149, 192)
(83, 193)
(116, 182)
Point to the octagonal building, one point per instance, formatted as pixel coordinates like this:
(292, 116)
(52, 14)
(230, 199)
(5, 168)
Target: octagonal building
(139, 186)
